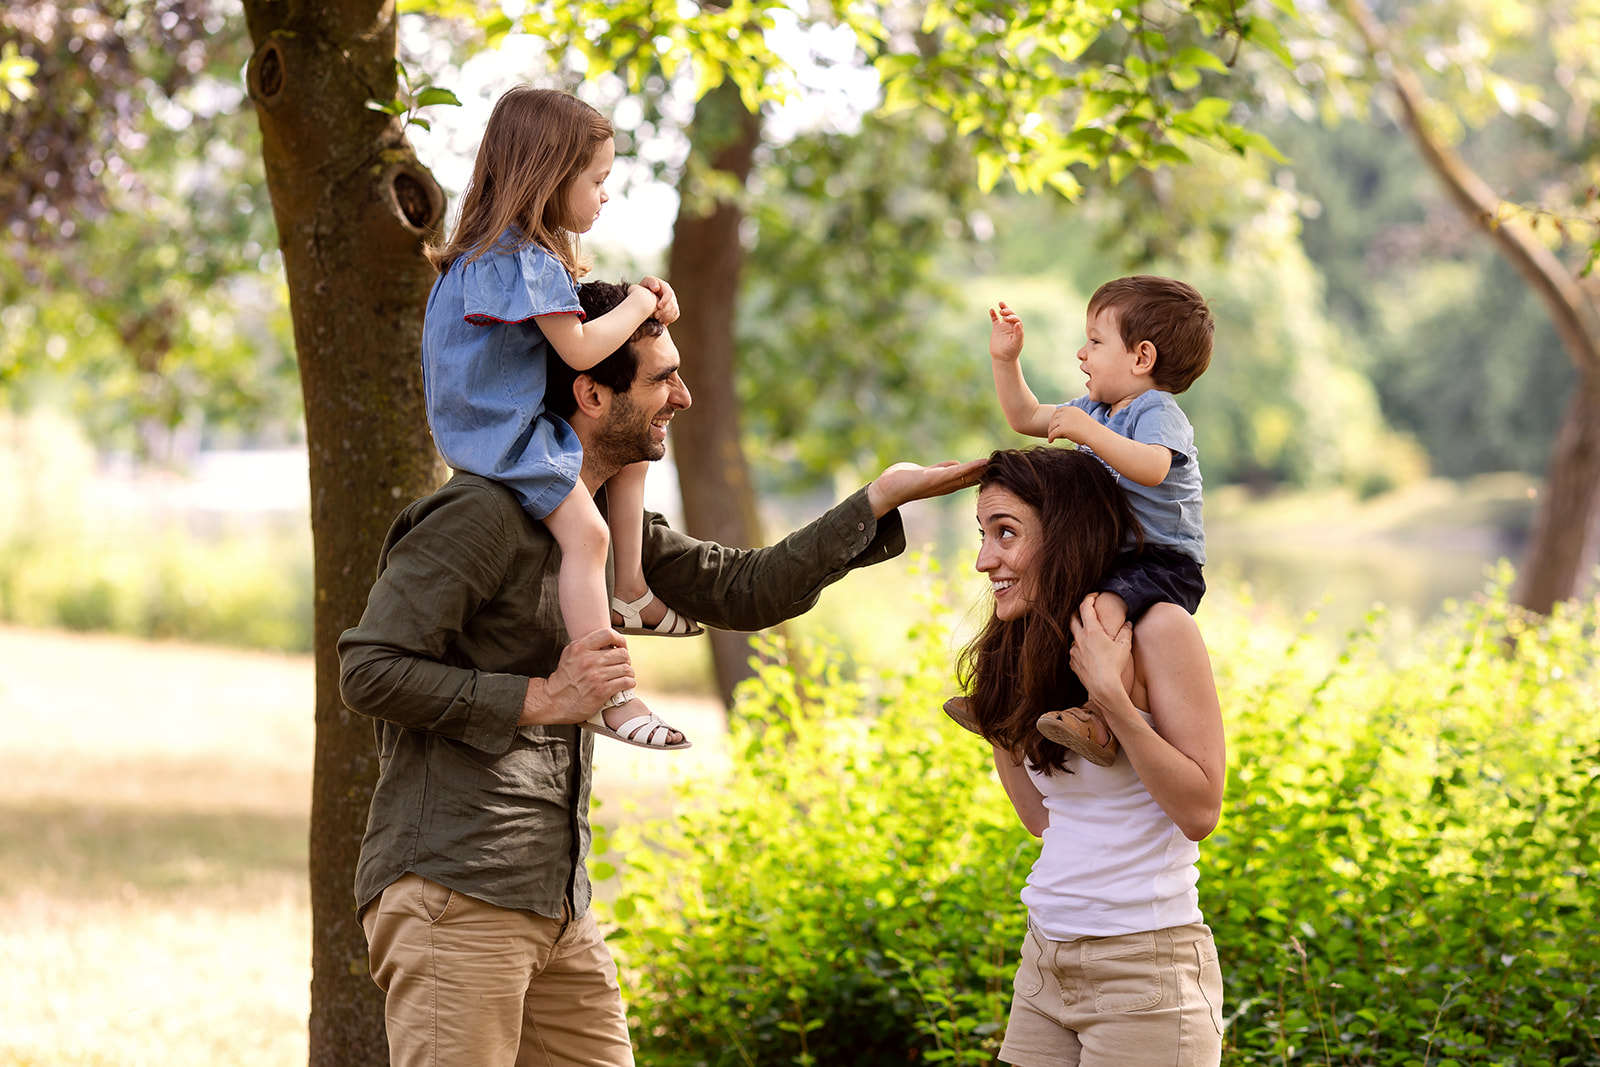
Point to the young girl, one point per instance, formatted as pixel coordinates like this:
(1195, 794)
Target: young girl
(505, 302)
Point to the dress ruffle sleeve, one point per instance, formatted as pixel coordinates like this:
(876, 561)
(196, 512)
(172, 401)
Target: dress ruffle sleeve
(516, 287)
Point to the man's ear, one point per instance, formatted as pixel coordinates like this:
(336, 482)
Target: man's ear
(594, 399)
(1144, 358)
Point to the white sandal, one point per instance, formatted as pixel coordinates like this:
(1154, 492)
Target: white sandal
(671, 625)
(629, 732)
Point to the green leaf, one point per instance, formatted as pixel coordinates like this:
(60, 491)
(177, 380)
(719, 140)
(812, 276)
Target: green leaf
(434, 94)
(1199, 57)
(1183, 78)
(1121, 165)
(388, 107)
(990, 167)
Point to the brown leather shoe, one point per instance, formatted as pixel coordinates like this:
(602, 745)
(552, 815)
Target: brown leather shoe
(1078, 729)
(960, 709)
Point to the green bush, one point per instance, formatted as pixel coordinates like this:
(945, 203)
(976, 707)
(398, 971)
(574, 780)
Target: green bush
(1401, 876)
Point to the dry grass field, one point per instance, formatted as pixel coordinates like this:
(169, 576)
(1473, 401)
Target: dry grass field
(153, 807)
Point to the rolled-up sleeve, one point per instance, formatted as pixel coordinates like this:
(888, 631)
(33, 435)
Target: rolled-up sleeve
(443, 561)
(750, 589)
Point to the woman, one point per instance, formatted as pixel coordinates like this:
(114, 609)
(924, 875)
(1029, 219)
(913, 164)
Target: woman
(1117, 966)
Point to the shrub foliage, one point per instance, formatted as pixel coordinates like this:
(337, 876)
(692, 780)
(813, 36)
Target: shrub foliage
(1402, 875)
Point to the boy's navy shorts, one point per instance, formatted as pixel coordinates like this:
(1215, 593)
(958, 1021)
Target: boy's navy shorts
(1156, 576)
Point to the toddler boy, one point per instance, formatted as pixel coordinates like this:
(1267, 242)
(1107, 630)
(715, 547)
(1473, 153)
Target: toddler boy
(1148, 339)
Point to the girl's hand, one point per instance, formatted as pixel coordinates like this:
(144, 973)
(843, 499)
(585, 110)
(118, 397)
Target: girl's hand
(1005, 335)
(1099, 658)
(666, 301)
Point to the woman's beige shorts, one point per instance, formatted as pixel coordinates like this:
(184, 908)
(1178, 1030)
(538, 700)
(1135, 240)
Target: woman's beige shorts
(1134, 1000)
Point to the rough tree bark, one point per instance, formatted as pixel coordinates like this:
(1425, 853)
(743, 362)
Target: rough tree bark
(719, 501)
(1565, 539)
(353, 208)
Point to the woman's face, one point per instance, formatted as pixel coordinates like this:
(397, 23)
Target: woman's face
(1011, 532)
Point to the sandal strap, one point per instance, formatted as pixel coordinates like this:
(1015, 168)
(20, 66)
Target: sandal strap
(630, 610)
(619, 699)
(631, 728)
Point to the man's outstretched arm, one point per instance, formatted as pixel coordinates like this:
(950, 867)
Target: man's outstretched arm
(750, 589)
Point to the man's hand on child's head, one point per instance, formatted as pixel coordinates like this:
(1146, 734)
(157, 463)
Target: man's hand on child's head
(1071, 423)
(1005, 334)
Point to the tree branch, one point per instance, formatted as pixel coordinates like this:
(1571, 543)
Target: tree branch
(1570, 309)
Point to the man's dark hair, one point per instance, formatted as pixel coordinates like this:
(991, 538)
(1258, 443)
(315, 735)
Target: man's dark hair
(616, 371)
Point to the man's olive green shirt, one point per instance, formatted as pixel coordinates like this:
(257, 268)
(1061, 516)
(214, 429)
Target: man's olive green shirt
(463, 613)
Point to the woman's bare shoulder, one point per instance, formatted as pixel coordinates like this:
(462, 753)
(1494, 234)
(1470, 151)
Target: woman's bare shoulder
(1164, 624)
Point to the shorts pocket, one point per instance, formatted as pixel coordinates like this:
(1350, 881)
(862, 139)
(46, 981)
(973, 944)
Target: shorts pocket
(1030, 976)
(1123, 972)
(1210, 978)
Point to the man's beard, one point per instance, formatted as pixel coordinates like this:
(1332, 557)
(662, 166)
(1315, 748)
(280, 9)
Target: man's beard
(625, 437)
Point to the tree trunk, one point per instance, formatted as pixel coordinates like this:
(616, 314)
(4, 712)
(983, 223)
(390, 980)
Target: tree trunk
(1562, 551)
(353, 208)
(719, 502)
(1566, 530)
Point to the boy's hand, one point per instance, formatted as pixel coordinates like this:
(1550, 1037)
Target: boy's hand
(1005, 337)
(1071, 423)
(666, 311)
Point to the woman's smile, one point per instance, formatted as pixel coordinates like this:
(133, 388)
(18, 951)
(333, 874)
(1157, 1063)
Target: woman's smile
(1010, 531)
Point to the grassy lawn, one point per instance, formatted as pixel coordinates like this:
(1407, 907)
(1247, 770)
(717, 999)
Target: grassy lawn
(153, 810)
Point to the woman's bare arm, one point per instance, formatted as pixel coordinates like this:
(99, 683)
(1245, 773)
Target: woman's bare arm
(1025, 796)
(1180, 755)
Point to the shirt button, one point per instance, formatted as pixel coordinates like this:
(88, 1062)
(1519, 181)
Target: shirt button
(861, 526)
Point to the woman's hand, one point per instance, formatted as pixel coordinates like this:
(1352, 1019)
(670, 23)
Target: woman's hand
(1100, 658)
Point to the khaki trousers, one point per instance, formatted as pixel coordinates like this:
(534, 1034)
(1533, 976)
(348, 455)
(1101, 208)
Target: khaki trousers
(469, 984)
(1131, 1000)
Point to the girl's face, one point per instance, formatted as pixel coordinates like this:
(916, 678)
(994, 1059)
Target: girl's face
(587, 193)
(1011, 535)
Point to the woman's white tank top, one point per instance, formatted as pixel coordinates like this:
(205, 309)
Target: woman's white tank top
(1112, 861)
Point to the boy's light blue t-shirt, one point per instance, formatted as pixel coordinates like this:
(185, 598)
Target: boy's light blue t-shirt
(1169, 512)
(483, 372)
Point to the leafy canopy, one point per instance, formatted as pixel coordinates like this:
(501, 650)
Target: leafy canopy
(1039, 87)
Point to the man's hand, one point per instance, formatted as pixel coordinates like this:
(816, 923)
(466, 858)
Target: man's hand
(593, 669)
(1005, 335)
(666, 301)
(1071, 423)
(904, 482)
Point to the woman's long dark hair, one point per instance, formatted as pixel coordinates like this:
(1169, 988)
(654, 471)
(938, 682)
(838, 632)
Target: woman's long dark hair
(1014, 671)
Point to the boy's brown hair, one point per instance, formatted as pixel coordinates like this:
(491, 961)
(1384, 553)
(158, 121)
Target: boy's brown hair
(1170, 315)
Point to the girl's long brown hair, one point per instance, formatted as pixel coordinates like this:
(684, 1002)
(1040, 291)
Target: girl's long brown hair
(536, 143)
(1014, 671)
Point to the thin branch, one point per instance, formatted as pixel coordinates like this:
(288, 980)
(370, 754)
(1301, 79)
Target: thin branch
(1570, 309)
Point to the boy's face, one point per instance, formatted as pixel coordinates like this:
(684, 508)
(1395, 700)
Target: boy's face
(1108, 362)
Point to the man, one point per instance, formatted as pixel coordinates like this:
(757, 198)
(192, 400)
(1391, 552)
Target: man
(471, 881)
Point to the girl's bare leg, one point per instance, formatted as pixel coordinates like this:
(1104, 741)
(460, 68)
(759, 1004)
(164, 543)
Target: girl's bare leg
(625, 504)
(580, 530)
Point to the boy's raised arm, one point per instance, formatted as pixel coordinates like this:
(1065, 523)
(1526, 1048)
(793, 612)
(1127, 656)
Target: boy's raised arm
(1023, 411)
